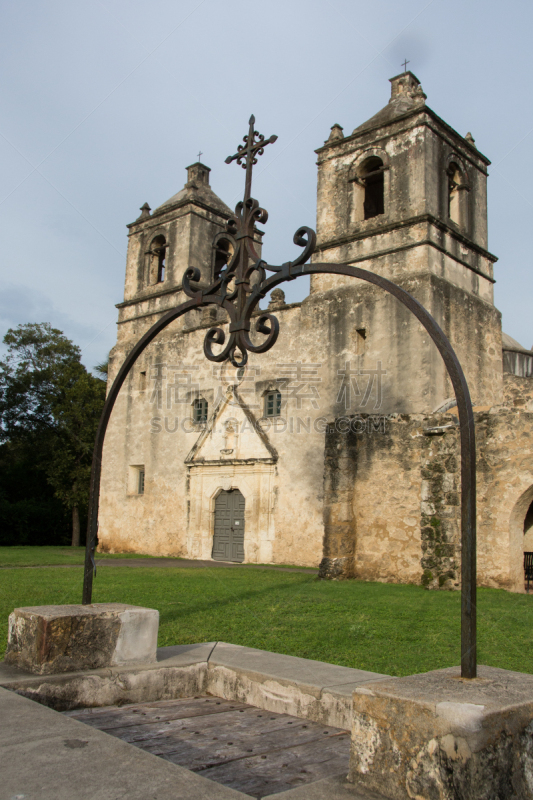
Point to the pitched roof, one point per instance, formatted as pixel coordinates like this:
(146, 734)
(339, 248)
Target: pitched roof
(197, 189)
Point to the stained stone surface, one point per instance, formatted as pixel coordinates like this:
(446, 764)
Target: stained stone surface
(51, 639)
(436, 736)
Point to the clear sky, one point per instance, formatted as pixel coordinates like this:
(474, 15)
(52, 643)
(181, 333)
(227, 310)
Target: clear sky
(104, 104)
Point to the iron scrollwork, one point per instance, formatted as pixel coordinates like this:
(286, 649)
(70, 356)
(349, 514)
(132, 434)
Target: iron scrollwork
(244, 282)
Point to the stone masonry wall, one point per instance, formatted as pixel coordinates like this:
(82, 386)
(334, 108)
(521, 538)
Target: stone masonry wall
(404, 520)
(404, 515)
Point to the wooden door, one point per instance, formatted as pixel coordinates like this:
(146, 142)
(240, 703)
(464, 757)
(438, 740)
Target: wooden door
(228, 541)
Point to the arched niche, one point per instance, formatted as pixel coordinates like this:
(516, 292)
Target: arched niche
(457, 193)
(156, 259)
(520, 537)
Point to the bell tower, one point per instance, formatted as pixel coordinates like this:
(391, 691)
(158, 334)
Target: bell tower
(405, 196)
(188, 230)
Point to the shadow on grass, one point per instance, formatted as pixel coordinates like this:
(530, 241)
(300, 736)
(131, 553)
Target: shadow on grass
(239, 596)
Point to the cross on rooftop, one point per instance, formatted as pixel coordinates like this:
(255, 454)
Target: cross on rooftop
(200, 154)
(249, 152)
(404, 65)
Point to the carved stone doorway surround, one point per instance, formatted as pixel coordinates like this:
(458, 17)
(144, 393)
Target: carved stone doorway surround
(255, 480)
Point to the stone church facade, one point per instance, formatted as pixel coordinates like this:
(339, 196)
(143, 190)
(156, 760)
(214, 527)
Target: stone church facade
(339, 446)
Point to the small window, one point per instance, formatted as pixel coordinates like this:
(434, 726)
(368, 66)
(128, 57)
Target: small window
(223, 254)
(272, 404)
(142, 381)
(200, 410)
(140, 481)
(373, 179)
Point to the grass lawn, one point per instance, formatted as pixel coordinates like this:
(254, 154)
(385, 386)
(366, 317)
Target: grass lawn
(51, 556)
(386, 628)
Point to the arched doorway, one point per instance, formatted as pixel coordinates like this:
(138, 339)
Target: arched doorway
(528, 530)
(228, 538)
(521, 537)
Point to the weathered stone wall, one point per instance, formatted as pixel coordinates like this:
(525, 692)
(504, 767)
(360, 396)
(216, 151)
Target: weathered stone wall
(416, 380)
(403, 523)
(505, 480)
(153, 427)
(403, 508)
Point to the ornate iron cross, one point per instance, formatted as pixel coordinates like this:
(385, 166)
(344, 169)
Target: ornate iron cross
(241, 285)
(249, 152)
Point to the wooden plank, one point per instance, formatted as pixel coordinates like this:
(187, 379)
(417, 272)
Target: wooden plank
(156, 717)
(111, 717)
(249, 749)
(197, 755)
(200, 701)
(284, 769)
(229, 721)
(198, 743)
(246, 728)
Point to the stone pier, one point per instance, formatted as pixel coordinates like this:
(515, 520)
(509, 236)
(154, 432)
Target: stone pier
(436, 736)
(52, 639)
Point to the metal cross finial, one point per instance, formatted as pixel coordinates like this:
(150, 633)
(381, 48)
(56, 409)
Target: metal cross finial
(254, 145)
(200, 154)
(404, 65)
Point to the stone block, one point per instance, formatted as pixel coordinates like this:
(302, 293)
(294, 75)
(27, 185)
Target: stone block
(51, 639)
(436, 736)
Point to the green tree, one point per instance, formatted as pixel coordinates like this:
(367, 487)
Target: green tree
(50, 402)
(76, 410)
(37, 356)
(30, 512)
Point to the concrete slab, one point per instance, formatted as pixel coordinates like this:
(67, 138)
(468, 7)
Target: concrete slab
(46, 756)
(337, 703)
(285, 684)
(182, 654)
(177, 655)
(495, 689)
(11, 674)
(309, 673)
(335, 788)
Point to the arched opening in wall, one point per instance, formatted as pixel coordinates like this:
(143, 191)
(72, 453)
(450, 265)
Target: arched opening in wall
(222, 256)
(520, 538)
(455, 189)
(228, 537)
(372, 177)
(528, 529)
(157, 256)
